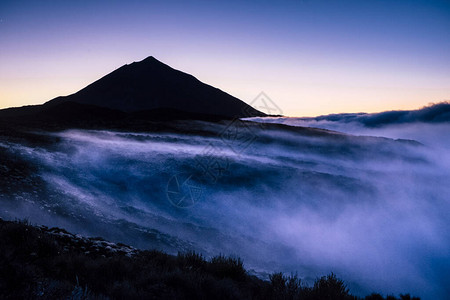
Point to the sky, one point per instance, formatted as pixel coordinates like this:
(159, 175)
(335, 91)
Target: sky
(310, 57)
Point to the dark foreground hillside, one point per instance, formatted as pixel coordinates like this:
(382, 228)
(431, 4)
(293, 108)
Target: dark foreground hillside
(37, 262)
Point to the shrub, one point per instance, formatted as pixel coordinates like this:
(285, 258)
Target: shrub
(330, 288)
(227, 267)
(374, 297)
(191, 261)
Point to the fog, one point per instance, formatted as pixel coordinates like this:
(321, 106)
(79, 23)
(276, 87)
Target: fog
(372, 210)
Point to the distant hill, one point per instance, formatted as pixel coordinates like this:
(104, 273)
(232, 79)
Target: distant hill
(148, 89)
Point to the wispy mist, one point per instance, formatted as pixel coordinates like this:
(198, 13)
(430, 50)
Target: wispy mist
(372, 210)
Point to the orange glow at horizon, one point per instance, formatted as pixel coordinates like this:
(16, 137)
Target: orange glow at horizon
(294, 98)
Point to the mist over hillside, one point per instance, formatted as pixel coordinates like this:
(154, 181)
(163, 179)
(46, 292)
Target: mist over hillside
(312, 201)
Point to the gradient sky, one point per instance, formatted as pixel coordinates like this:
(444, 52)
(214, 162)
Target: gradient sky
(310, 57)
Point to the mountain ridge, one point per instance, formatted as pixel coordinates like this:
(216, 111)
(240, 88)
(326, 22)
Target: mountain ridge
(151, 84)
(142, 89)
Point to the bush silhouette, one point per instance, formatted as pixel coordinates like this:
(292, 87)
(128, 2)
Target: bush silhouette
(330, 288)
(191, 261)
(374, 296)
(229, 267)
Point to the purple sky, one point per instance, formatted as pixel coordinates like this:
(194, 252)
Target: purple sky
(310, 57)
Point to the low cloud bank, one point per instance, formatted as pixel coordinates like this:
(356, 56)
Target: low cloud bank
(435, 113)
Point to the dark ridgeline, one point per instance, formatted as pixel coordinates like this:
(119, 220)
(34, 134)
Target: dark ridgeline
(145, 90)
(150, 84)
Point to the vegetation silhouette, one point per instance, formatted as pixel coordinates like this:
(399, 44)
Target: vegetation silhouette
(41, 263)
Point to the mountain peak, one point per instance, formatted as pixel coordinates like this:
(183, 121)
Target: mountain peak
(150, 84)
(150, 60)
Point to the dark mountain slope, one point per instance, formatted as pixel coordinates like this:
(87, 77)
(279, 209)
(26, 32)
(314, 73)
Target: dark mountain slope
(150, 84)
